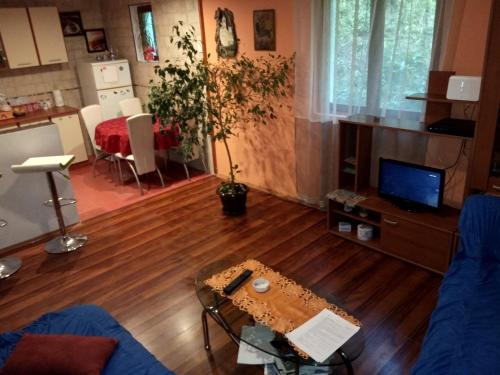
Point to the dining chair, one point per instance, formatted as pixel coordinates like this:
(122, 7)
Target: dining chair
(198, 153)
(92, 116)
(131, 107)
(142, 159)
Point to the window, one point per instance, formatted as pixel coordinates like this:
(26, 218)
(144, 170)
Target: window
(380, 53)
(144, 32)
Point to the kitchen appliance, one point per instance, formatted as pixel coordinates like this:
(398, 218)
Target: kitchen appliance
(105, 83)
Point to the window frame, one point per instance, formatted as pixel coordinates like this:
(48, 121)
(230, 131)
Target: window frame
(137, 33)
(341, 108)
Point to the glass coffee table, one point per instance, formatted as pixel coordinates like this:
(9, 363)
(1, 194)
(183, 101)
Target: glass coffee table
(232, 320)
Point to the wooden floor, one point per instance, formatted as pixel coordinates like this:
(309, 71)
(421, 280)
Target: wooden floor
(140, 263)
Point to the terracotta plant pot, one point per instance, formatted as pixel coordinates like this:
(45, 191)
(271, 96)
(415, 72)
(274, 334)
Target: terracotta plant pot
(233, 198)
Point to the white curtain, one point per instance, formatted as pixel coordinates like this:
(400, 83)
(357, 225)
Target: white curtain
(314, 122)
(358, 56)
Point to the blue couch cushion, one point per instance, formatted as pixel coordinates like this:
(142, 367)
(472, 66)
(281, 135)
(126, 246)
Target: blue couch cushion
(129, 358)
(480, 227)
(463, 337)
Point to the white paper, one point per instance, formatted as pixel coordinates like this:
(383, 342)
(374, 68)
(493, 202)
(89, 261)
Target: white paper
(109, 73)
(322, 335)
(261, 336)
(248, 355)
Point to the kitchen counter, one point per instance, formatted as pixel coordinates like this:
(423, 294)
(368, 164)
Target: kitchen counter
(38, 116)
(68, 124)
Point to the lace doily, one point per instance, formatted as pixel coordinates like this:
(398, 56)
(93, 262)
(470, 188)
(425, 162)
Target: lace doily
(284, 307)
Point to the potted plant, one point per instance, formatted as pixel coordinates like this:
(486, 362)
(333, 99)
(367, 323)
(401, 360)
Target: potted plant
(198, 96)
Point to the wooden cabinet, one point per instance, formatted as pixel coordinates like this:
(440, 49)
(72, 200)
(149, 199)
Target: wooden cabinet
(17, 38)
(71, 136)
(416, 243)
(48, 35)
(32, 36)
(424, 239)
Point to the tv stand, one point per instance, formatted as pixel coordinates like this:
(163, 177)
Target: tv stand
(425, 239)
(407, 206)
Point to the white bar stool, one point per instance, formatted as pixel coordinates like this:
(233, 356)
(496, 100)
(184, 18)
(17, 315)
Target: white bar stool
(66, 242)
(8, 265)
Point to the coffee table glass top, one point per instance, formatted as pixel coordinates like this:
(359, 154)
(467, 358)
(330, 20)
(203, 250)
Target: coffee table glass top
(232, 319)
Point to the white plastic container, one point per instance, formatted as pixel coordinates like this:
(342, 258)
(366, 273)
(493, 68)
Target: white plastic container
(365, 232)
(58, 98)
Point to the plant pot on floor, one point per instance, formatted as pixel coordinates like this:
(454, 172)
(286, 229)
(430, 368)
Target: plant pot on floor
(233, 198)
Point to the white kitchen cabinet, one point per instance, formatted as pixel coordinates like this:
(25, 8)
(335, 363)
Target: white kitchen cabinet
(17, 38)
(48, 35)
(71, 136)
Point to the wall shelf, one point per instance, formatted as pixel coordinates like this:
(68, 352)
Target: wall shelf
(437, 98)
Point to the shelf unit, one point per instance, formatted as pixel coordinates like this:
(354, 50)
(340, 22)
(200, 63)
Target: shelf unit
(355, 137)
(424, 239)
(337, 214)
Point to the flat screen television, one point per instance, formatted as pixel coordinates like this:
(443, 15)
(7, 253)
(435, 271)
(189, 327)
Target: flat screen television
(412, 187)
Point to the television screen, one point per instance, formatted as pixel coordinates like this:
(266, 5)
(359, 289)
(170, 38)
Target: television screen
(411, 185)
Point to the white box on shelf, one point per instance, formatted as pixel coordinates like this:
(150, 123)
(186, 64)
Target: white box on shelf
(344, 226)
(463, 88)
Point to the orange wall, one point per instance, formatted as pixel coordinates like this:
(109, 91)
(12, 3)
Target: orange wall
(265, 154)
(465, 55)
(467, 38)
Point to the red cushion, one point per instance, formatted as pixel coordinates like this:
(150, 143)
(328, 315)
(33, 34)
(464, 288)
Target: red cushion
(59, 355)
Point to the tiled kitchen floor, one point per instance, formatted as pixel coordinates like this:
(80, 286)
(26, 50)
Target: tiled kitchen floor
(100, 194)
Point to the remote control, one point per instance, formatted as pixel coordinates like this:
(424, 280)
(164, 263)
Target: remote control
(233, 285)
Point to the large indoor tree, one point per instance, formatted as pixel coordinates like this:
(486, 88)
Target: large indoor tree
(198, 97)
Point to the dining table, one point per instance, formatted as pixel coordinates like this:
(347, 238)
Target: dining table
(112, 136)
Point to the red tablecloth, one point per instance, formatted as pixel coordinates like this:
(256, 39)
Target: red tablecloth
(112, 136)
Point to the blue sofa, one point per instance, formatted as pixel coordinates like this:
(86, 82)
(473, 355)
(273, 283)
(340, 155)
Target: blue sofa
(463, 337)
(129, 358)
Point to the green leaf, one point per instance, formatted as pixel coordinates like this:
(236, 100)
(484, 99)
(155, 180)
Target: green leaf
(201, 97)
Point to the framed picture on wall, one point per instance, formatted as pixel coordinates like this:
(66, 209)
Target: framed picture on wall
(96, 40)
(225, 33)
(264, 31)
(71, 23)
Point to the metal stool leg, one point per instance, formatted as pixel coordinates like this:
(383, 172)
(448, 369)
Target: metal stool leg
(347, 361)
(65, 242)
(8, 265)
(206, 337)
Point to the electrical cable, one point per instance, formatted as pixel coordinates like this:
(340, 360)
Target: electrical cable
(462, 147)
(461, 152)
